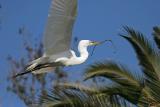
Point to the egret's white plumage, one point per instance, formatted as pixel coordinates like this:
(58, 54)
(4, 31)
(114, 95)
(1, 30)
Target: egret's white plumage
(75, 60)
(57, 39)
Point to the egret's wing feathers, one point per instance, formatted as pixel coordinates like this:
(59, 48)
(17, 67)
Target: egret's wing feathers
(58, 34)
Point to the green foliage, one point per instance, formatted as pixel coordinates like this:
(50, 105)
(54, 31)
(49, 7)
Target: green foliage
(149, 60)
(148, 57)
(129, 86)
(115, 72)
(73, 95)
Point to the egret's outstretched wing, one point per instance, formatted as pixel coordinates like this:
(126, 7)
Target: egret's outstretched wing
(58, 33)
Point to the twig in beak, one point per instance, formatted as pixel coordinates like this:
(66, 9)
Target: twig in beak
(93, 50)
(102, 43)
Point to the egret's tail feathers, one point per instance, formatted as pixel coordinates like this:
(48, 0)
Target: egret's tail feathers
(20, 74)
(27, 69)
(36, 68)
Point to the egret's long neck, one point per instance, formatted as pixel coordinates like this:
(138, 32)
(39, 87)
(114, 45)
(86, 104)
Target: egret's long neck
(83, 52)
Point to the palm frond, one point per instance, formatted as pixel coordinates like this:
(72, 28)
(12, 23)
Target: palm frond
(115, 72)
(72, 98)
(154, 90)
(148, 57)
(132, 95)
(111, 93)
(58, 98)
(156, 35)
(129, 87)
(77, 87)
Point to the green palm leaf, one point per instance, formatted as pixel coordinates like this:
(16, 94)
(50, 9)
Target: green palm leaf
(129, 87)
(77, 87)
(73, 95)
(73, 98)
(148, 57)
(115, 72)
(112, 98)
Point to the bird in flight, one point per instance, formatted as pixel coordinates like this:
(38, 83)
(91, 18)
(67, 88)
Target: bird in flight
(57, 40)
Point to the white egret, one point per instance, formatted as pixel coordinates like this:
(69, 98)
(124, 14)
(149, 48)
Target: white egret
(57, 40)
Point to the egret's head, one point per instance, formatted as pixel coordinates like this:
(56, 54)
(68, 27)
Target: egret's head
(88, 43)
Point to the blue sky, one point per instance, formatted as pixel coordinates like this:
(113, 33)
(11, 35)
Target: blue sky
(97, 20)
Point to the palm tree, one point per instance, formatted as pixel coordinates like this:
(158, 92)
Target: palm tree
(128, 88)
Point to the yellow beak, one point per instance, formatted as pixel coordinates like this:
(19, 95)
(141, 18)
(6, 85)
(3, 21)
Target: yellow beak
(95, 43)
